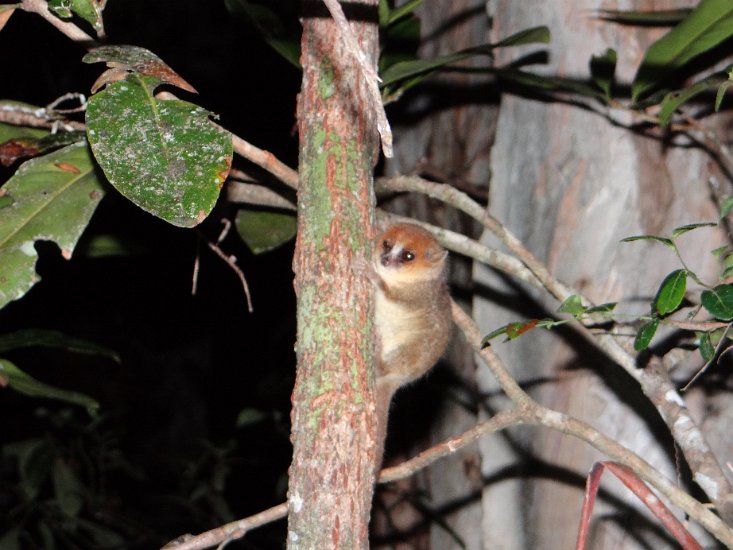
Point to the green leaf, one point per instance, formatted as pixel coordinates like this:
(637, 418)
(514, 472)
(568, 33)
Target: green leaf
(722, 89)
(572, 305)
(54, 197)
(53, 339)
(27, 385)
(602, 70)
(677, 231)
(725, 207)
(383, 10)
(48, 540)
(728, 260)
(602, 308)
(423, 67)
(108, 244)
(515, 330)
(9, 131)
(645, 334)
(404, 10)
(11, 539)
(534, 35)
(400, 42)
(709, 24)
(165, 156)
(250, 416)
(664, 240)
(83, 8)
(657, 17)
(34, 457)
(705, 346)
(538, 82)
(269, 26)
(68, 489)
(719, 301)
(263, 230)
(671, 292)
(486, 340)
(673, 100)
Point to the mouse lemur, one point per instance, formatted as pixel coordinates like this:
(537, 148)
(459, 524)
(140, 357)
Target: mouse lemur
(412, 309)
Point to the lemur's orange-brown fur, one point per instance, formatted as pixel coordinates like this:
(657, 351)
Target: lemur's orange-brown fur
(412, 309)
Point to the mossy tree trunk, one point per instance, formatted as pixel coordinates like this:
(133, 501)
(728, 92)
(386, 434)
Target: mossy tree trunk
(332, 473)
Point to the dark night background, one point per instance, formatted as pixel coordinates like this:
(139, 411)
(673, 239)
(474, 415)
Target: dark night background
(166, 456)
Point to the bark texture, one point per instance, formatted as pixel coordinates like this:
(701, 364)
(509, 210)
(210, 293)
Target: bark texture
(332, 473)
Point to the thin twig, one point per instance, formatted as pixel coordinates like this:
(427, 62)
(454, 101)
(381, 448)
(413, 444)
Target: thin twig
(35, 117)
(230, 531)
(371, 79)
(196, 266)
(232, 262)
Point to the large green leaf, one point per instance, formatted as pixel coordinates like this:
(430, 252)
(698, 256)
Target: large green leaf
(165, 156)
(50, 198)
(12, 376)
(709, 24)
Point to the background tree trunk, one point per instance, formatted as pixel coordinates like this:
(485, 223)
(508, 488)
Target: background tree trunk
(570, 184)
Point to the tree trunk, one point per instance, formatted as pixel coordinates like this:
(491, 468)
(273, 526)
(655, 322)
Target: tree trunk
(332, 473)
(571, 185)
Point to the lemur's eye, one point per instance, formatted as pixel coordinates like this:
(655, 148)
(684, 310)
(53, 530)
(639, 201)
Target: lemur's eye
(407, 256)
(387, 245)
